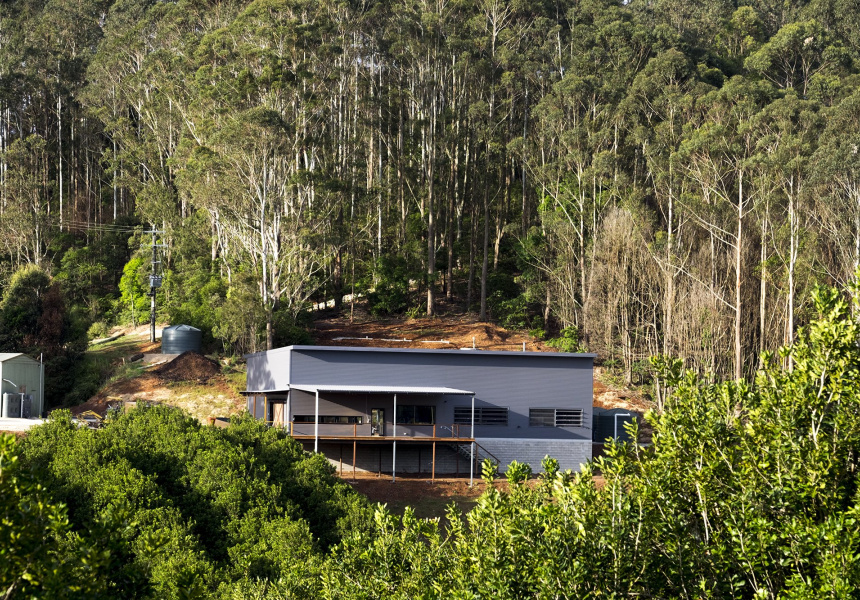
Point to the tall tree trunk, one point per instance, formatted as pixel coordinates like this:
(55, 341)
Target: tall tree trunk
(738, 278)
(484, 264)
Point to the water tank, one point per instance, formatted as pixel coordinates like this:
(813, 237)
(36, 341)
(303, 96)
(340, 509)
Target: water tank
(177, 339)
(609, 423)
(11, 406)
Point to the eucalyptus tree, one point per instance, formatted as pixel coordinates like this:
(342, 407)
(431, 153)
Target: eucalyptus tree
(579, 127)
(836, 173)
(788, 136)
(717, 158)
(257, 148)
(660, 102)
(796, 55)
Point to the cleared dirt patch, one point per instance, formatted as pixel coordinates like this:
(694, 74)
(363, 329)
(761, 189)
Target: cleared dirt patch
(445, 332)
(189, 366)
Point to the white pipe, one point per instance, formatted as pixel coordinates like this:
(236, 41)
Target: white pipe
(394, 444)
(472, 461)
(287, 418)
(317, 422)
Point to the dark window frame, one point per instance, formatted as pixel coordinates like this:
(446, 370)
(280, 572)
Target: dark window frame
(331, 419)
(415, 414)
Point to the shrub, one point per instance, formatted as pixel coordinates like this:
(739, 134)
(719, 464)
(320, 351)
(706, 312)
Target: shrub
(97, 330)
(391, 294)
(568, 341)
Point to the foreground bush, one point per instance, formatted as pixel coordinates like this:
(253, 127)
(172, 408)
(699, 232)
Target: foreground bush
(201, 510)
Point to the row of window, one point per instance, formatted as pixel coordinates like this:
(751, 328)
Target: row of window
(484, 415)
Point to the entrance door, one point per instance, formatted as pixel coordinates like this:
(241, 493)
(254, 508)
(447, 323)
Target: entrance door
(377, 421)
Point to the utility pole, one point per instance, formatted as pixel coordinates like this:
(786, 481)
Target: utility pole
(154, 282)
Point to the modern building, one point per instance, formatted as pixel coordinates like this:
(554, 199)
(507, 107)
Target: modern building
(21, 386)
(427, 411)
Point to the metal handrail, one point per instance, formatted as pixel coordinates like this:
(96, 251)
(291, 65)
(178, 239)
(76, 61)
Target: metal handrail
(404, 430)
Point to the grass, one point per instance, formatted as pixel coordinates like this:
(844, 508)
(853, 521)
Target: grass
(236, 381)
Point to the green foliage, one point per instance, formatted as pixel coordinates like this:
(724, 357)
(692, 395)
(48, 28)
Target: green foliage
(195, 296)
(133, 304)
(240, 321)
(391, 292)
(289, 331)
(568, 341)
(204, 509)
(39, 555)
(98, 330)
(21, 309)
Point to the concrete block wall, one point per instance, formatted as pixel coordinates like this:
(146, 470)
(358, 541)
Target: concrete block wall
(570, 454)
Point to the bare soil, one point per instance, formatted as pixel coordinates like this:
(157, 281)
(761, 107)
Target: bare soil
(429, 499)
(189, 366)
(444, 332)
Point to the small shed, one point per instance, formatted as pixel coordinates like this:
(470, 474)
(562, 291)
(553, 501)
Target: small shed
(21, 375)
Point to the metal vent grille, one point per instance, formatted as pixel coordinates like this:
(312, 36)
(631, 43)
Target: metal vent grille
(555, 417)
(484, 415)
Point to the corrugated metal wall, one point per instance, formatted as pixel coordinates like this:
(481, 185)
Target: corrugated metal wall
(23, 371)
(517, 382)
(268, 370)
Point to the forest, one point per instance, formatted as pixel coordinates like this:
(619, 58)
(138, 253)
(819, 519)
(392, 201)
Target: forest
(635, 178)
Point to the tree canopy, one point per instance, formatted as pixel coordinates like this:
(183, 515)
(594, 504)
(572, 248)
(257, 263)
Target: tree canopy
(475, 155)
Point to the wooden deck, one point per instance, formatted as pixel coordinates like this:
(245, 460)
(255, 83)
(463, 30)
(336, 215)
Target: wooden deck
(381, 438)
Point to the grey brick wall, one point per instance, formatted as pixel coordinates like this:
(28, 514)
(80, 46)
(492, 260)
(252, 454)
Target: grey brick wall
(569, 453)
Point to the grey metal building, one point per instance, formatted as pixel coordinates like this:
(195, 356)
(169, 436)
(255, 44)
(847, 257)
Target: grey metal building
(21, 386)
(386, 409)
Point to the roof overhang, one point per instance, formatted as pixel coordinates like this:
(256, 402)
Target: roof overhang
(367, 389)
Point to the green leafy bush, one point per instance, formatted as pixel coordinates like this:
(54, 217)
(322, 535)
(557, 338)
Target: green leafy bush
(205, 508)
(391, 293)
(568, 341)
(98, 330)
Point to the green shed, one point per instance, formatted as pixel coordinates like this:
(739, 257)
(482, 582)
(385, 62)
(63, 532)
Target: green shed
(20, 374)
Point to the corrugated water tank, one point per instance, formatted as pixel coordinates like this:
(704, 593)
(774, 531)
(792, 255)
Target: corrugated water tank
(11, 406)
(177, 339)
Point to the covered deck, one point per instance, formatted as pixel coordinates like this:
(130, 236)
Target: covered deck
(278, 411)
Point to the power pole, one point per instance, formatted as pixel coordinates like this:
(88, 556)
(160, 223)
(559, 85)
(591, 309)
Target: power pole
(154, 282)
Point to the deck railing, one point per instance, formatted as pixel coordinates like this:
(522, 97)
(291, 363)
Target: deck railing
(366, 430)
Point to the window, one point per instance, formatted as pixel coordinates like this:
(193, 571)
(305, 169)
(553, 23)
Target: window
(416, 415)
(555, 417)
(330, 420)
(484, 415)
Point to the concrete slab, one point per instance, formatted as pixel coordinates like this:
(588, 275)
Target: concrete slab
(151, 359)
(19, 424)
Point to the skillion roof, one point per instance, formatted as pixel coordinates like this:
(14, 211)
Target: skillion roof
(425, 351)
(368, 389)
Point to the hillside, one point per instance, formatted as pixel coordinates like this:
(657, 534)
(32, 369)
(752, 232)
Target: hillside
(202, 388)
(206, 388)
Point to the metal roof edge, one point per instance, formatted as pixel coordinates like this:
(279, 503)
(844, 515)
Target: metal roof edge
(365, 389)
(306, 348)
(264, 352)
